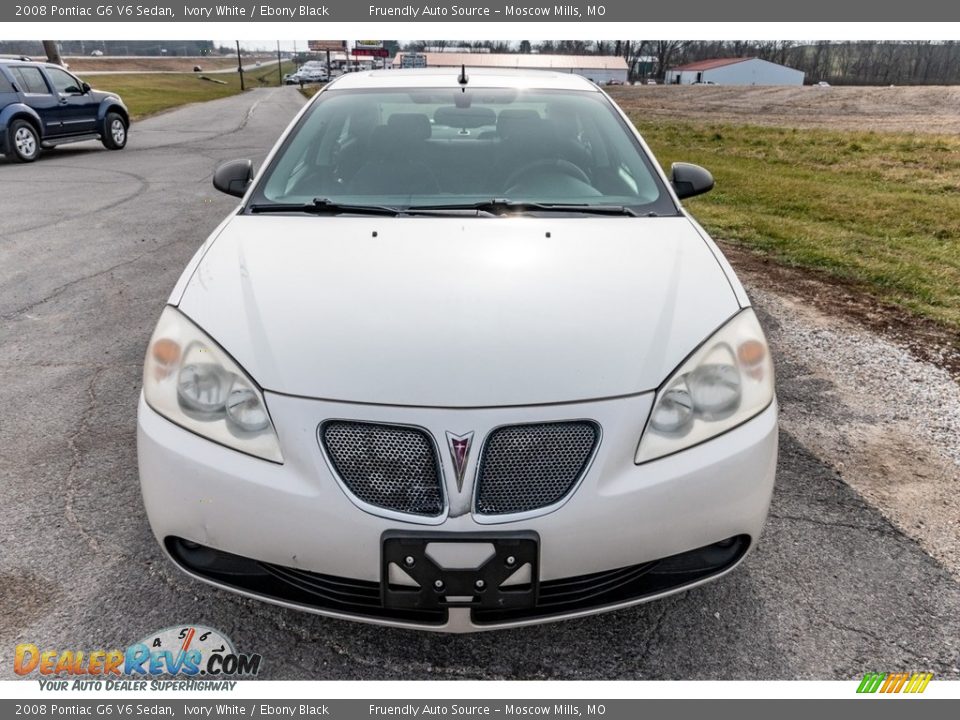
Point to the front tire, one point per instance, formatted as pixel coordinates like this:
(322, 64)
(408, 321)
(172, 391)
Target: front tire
(114, 132)
(23, 141)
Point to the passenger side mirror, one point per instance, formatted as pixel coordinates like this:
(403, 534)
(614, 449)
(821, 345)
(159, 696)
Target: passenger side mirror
(689, 180)
(233, 177)
(84, 88)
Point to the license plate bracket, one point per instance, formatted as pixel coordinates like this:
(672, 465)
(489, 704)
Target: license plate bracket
(479, 587)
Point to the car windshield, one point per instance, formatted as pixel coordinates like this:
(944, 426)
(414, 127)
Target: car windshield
(409, 148)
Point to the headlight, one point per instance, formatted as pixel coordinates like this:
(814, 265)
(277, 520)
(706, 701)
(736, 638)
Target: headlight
(724, 383)
(189, 380)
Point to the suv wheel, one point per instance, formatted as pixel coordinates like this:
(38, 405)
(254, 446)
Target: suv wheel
(23, 141)
(114, 132)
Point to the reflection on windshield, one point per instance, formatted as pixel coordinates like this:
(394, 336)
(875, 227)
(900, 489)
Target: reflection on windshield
(420, 148)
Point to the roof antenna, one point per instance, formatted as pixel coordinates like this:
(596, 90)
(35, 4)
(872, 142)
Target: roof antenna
(463, 79)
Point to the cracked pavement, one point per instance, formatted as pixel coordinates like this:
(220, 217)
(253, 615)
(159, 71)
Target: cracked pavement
(91, 245)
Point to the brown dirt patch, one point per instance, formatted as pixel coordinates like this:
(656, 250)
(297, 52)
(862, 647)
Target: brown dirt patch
(927, 109)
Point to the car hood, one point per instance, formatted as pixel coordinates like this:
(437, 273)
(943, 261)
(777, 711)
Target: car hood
(101, 95)
(451, 312)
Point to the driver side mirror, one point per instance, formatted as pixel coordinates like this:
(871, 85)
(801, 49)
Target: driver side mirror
(233, 177)
(689, 180)
(84, 88)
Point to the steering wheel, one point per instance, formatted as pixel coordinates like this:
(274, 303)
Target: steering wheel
(537, 167)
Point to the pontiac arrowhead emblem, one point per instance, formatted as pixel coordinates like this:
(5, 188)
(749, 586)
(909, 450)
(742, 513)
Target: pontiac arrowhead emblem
(459, 452)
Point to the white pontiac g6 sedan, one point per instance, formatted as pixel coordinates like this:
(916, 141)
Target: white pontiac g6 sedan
(459, 360)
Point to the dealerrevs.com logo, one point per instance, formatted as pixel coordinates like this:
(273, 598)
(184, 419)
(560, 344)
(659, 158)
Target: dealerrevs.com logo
(199, 657)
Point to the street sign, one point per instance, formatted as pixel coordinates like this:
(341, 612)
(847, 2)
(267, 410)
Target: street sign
(370, 52)
(330, 45)
(413, 60)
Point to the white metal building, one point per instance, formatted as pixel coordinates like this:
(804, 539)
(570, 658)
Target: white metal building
(734, 71)
(599, 68)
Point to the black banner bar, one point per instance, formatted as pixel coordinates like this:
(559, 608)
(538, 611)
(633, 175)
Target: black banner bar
(123, 708)
(616, 11)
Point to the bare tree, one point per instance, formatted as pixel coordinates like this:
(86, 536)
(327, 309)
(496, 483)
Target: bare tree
(665, 51)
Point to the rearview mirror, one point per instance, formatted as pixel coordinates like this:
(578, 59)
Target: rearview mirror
(84, 88)
(689, 180)
(233, 177)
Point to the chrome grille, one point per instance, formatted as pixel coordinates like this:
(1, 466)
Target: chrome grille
(389, 466)
(527, 467)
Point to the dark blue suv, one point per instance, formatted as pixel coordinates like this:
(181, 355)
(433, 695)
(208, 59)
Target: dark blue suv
(43, 105)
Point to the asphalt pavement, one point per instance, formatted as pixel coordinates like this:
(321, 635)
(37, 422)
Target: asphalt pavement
(91, 244)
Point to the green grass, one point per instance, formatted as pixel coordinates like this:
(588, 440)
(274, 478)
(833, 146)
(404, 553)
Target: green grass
(308, 91)
(268, 77)
(881, 210)
(146, 94)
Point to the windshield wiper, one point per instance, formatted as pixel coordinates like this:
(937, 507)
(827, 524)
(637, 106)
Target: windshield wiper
(324, 206)
(496, 206)
(499, 206)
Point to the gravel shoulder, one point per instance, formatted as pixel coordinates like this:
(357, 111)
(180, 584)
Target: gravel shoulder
(871, 392)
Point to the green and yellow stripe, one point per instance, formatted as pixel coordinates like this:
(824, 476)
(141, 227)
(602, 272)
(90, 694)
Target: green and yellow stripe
(894, 682)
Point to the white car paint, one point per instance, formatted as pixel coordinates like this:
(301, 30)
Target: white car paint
(439, 300)
(296, 514)
(457, 324)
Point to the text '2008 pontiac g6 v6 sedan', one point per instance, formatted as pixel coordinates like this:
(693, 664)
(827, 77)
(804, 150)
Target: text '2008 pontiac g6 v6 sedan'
(458, 361)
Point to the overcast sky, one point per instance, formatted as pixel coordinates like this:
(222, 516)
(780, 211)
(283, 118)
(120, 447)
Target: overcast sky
(265, 45)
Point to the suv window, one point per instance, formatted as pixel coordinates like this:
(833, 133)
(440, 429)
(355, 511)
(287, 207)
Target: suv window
(5, 85)
(64, 82)
(30, 80)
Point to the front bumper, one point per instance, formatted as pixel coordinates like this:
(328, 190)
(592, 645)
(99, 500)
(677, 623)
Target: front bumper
(294, 537)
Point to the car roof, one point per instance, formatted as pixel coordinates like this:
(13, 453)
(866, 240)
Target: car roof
(441, 77)
(27, 63)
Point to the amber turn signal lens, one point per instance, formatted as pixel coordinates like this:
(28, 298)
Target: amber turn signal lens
(166, 354)
(751, 353)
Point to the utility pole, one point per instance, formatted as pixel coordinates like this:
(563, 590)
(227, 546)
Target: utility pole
(52, 51)
(279, 64)
(240, 66)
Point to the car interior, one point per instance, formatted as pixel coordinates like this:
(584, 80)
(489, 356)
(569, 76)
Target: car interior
(535, 150)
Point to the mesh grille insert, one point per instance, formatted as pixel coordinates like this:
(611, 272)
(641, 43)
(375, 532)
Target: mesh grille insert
(390, 466)
(526, 467)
